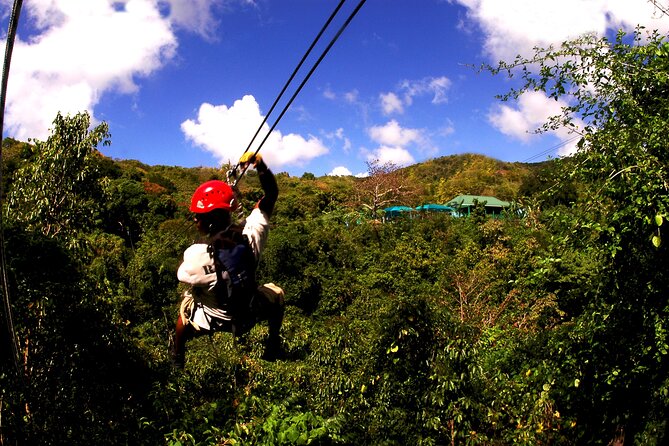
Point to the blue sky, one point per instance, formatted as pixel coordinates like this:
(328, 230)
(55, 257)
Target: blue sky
(188, 82)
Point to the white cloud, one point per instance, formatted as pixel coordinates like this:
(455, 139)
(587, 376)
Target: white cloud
(58, 69)
(78, 50)
(292, 149)
(534, 109)
(351, 96)
(434, 86)
(395, 155)
(568, 145)
(329, 94)
(516, 26)
(226, 132)
(301, 113)
(391, 103)
(340, 136)
(394, 142)
(340, 171)
(392, 134)
(195, 15)
(447, 129)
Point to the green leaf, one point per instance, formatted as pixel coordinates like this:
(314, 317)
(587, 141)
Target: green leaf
(659, 219)
(657, 241)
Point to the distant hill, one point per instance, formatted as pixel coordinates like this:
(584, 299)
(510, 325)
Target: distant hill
(434, 181)
(471, 174)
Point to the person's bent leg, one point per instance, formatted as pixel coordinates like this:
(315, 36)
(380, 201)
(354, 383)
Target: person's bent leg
(274, 320)
(184, 332)
(272, 310)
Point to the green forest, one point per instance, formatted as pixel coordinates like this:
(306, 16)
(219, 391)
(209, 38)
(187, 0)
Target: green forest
(547, 326)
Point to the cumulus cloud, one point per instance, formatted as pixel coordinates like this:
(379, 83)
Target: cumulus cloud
(392, 134)
(516, 26)
(59, 68)
(78, 50)
(395, 155)
(338, 135)
(432, 86)
(391, 103)
(351, 96)
(393, 141)
(340, 171)
(436, 87)
(197, 15)
(533, 109)
(226, 132)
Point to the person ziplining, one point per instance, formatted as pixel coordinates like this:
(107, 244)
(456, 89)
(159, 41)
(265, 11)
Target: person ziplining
(220, 268)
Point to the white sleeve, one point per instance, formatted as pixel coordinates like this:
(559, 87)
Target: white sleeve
(257, 229)
(197, 269)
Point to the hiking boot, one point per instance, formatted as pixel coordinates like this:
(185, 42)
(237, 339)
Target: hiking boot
(178, 360)
(273, 350)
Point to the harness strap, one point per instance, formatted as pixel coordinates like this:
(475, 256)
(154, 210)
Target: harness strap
(186, 311)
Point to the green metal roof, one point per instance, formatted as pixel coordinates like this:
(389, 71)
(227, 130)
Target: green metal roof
(468, 200)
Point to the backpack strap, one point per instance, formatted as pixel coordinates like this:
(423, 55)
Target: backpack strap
(242, 256)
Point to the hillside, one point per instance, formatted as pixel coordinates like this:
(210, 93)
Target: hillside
(471, 174)
(434, 181)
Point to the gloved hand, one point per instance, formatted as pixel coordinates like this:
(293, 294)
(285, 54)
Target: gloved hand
(248, 158)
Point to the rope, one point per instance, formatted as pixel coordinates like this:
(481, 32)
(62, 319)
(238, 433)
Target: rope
(304, 81)
(9, 47)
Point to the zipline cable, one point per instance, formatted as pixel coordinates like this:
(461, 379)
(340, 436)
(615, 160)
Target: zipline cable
(304, 81)
(551, 149)
(297, 68)
(9, 47)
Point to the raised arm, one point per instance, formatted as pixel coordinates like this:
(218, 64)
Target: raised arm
(267, 182)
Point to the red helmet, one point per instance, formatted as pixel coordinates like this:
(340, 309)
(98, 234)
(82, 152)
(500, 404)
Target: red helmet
(214, 194)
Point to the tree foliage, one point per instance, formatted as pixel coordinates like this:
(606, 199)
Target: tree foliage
(617, 96)
(543, 327)
(57, 191)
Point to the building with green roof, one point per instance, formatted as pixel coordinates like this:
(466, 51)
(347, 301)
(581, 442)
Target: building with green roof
(464, 204)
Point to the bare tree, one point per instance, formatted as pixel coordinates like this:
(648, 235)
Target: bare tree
(385, 185)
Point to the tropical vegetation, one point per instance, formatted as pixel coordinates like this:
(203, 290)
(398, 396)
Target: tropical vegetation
(549, 326)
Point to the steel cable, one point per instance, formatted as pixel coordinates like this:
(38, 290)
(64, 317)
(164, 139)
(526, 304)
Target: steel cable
(9, 47)
(304, 81)
(297, 68)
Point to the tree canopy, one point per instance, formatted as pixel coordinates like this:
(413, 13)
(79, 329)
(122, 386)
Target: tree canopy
(546, 326)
